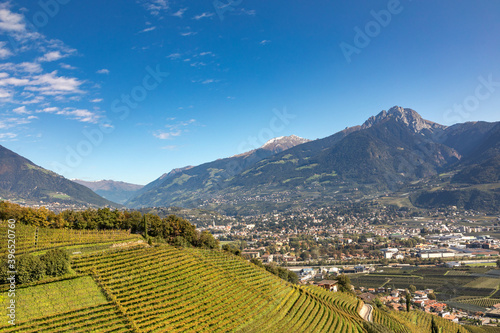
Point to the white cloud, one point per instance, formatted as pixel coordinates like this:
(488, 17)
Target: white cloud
(9, 21)
(103, 71)
(207, 81)
(167, 135)
(170, 147)
(21, 110)
(265, 42)
(189, 33)
(4, 52)
(5, 94)
(51, 84)
(66, 66)
(180, 12)
(52, 56)
(96, 100)
(203, 15)
(147, 29)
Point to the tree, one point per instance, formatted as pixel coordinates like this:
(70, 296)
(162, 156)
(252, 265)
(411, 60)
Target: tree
(206, 240)
(145, 221)
(408, 302)
(431, 296)
(434, 326)
(498, 263)
(29, 269)
(56, 262)
(412, 288)
(344, 283)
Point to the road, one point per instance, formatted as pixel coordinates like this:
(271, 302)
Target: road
(366, 312)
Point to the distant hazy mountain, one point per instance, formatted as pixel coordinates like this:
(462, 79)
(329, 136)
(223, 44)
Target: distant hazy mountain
(386, 152)
(21, 179)
(178, 184)
(115, 191)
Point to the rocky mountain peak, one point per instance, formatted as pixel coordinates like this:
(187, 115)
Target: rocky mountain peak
(405, 116)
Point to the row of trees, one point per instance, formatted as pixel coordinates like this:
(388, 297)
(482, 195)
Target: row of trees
(31, 268)
(172, 229)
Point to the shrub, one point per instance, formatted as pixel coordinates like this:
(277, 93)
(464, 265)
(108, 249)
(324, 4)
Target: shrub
(56, 262)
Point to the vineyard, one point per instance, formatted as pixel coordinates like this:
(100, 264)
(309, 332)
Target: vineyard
(169, 289)
(31, 239)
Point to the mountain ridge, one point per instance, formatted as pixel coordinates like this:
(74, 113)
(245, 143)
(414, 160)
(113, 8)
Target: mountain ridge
(21, 179)
(384, 153)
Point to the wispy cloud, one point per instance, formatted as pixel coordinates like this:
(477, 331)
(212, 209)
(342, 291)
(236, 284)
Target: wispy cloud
(147, 30)
(265, 42)
(167, 135)
(180, 12)
(174, 130)
(103, 71)
(203, 15)
(21, 110)
(202, 54)
(189, 33)
(26, 67)
(82, 115)
(174, 56)
(96, 100)
(10, 122)
(169, 147)
(7, 136)
(155, 7)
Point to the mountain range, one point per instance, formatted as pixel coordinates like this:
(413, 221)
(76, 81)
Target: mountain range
(395, 150)
(115, 191)
(389, 150)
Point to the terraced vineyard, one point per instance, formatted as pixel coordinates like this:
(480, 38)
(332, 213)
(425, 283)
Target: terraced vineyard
(30, 239)
(169, 289)
(423, 320)
(161, 289)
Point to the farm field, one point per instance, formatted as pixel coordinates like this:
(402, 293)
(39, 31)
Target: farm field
(484, 282)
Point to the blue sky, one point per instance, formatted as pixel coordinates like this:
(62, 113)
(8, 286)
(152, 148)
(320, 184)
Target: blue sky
(95, 90)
